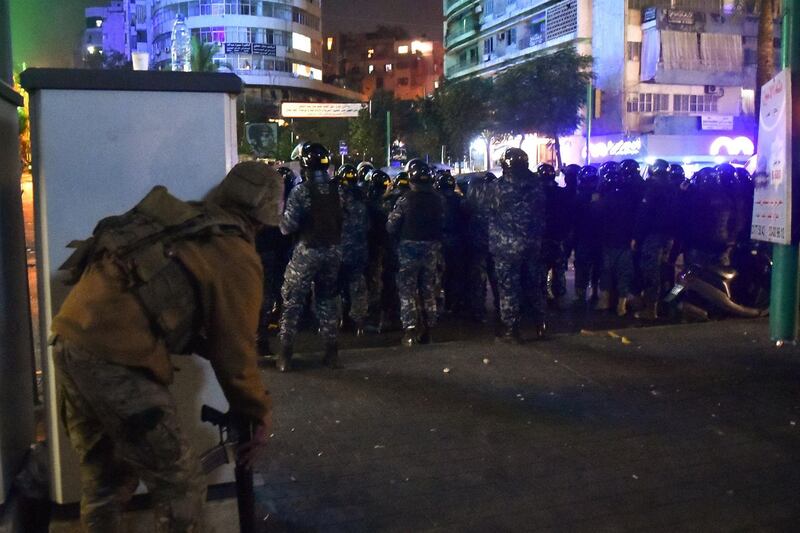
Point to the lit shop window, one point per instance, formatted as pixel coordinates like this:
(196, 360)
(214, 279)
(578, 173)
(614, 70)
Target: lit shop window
(301, 42)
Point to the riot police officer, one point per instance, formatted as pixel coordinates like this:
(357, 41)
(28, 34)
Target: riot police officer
(417, 221)
(481, 265)
(515, 240)
(655, 232)
(556, 232)
(355, 253)
(314, 213)
(453, 243)
(376, 183)
(588, 249)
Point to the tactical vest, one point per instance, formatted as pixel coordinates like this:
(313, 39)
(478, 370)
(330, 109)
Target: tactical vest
(323, 225)
(423, 218)
(141, 244)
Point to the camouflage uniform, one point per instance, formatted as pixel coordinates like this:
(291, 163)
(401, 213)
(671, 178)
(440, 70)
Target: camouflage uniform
(377, 243)
(390, 304)
(355, 254)
(311, 263)
(515, 237)
(418, 225)
(481, 264)
(124, 426)
(454, 251)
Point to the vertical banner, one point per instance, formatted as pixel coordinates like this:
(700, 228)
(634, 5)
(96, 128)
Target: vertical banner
(772, 200)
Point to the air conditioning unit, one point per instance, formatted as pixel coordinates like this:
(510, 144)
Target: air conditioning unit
(479, 9)
(713, 89)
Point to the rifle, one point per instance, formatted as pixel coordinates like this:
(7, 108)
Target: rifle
(232, 430)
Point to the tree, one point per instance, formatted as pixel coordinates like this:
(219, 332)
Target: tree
(425, 136)
(464, 109)
(202, 58)
(368, 130)
(765, 68)
(544, 95)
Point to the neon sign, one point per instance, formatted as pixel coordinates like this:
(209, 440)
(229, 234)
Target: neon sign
(611, 148)
(737, 146)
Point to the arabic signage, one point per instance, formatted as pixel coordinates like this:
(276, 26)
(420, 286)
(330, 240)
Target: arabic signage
(614, 148)
(725, 145)
(772, 201)
(716, 122)
(251, 48)
(318, 110)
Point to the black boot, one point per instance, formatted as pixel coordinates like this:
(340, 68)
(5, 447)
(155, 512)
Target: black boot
(541, 330)
(425, 336)
(510, 335)
(262, 345)
(410, 337)
(359, 328)
(331, 359)
(284, 361)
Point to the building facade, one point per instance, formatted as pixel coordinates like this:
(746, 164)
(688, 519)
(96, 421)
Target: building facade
(408, 68)
(274, 46)
(674, 78)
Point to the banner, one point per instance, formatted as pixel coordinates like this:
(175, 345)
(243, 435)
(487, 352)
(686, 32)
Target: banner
(316, 110)
(263, 137)
(772, 201)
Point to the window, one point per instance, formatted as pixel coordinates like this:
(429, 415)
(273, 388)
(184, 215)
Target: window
(402, 81)
(488, 45)
(387, 67)
(141, 36)
(370, 53)
(694, 103)
(634, 51)
(402, 49)
(301, 42)
(512, 36)
(647, 103)
(371, 69)
(329, 43)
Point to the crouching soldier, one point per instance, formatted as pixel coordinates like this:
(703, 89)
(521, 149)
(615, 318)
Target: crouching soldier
(167, 277)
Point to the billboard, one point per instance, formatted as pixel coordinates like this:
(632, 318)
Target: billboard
(263, 137)
(772, 200)
(321, 110)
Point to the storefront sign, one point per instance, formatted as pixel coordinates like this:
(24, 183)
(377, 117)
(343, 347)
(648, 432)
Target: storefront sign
(315, 110)
(732, 146)
(622, 147)
(675, 16)
(716, 122)
(538, 25)
(772, 201)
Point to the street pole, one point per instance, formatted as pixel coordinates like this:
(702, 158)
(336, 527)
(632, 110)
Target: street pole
(784, 296)
(388, 138)
(589, 117)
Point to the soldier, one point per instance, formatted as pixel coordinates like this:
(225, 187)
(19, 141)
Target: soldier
(515, 240)
(654, 233)
(314, 214)
(481, 265)
(588, 250)
(355, 227)
(168, 277)
(453, 243)
(416, 221)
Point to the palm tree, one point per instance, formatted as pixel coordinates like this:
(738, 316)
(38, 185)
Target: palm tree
(765, 69)
(203, 56)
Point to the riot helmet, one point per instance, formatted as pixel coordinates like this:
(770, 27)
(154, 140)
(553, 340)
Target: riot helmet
(570, 173)
(676, 174)
(630, 168)
(546, 172)
(588, 179)
(743, 177)
(347, 175)
(418, 171)
(704, 177)
(608, 168)
(377, 182)
(401, 181)
(726, 175)
(445, 181)
(514, 160)
(489, 177)
(658, 170)
(363, 169)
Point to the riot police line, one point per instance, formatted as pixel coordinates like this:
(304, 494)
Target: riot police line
(372, 253)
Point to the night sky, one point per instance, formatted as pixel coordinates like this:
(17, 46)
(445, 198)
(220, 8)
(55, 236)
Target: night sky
(45, 32)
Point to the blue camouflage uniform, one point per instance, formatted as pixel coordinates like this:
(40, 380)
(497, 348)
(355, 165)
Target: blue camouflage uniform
(481, 265)
(515, 240)
(355, 253)
(417, 221)
(313, 211)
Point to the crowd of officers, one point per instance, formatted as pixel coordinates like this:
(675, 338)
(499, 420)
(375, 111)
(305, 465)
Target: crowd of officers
(375, 253)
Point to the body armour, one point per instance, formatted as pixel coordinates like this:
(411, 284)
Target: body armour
(140, 241)
(423, 217)
(323, 224)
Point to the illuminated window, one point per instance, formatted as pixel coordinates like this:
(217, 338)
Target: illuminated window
(436, 85)
(301, 42)
(99, 23)
(388, 67)
(402, 49)
(370, 53)
(330, 43)
(421, 47)
(371, 69)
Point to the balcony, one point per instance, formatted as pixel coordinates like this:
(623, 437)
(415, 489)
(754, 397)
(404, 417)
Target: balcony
(451, 5)
(460, 35)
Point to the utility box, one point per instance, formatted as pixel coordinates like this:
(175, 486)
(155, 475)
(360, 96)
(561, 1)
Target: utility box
(101, 140)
